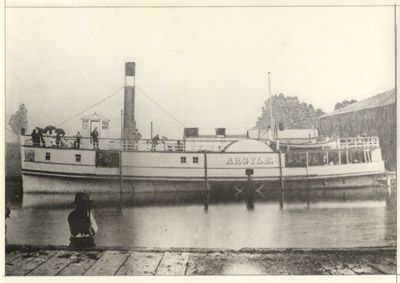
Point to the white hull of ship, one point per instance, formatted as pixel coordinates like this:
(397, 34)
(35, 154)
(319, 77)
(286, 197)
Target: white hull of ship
(180, 171)
(51, 184)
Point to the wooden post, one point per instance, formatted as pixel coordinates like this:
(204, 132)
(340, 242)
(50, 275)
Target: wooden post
(388, 183)
(151, 129)
(122, 124)
(249, 192)
(270, 100)
(307, 163)
(207, 198)
(281, 181)
(120, 172)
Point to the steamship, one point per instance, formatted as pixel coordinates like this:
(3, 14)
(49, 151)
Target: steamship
(195, 163)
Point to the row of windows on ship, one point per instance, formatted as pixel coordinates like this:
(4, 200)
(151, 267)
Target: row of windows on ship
(103, 159)
(292, 159)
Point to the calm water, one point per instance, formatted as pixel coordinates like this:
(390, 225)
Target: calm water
(320, 219)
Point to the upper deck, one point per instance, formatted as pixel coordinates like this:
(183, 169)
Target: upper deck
(214, 144)
(167, 145)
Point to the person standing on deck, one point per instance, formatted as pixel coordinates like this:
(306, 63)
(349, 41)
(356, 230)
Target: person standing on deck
(77, 142)
(154, 142)
(35, 137)
(95, 138)
(138, 136)
(40, 134)
(82, 224)
(58, 140)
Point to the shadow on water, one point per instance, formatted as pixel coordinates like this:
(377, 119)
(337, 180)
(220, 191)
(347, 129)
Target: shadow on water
(16, 199)
(316, 218)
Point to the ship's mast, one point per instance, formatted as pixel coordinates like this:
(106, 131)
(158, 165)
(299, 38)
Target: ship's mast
(129, 101)
(270, 102)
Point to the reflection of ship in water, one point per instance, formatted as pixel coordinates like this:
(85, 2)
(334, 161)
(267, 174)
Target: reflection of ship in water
(345, 218)
(292, 198)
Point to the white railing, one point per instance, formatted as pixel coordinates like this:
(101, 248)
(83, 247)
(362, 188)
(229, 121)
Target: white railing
(135, 145)
(190, 145)
(359, 142)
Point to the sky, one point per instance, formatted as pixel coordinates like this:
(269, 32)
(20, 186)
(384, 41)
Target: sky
(207, 67)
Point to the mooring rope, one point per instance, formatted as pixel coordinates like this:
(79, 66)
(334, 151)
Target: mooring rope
(114, 93)
(159, 106)
(101, 101)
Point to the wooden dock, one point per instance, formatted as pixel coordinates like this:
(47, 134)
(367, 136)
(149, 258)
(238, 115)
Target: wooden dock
(63, 261)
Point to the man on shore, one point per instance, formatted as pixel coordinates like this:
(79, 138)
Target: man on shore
(82, 224)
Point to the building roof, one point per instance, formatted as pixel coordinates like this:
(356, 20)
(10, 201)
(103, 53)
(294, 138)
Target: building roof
(95, 116)
(381, 99)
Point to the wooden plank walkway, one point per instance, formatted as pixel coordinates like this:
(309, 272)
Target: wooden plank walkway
(62, 261)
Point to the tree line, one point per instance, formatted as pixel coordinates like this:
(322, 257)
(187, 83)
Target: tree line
(291, 113)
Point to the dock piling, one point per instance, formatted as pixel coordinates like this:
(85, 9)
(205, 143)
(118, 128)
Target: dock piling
(388, 183)
(206, 185)
(249, 190)
(281, 181)
(120, 172)
(308, 194)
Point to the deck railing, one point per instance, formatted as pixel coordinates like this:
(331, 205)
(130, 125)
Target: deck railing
(190, 145)
(359, 142)
(136, 145)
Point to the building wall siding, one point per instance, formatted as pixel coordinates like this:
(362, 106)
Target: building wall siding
(378, 121)
(13, 161)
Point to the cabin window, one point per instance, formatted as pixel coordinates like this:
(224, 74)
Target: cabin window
(104, 125)
(183, 159)
(368, 156)
(85, 124)
(195, 160)
(333, 158)
(77, 158)
(107, 159)
(295, 159)
(343, 157)
(356, 156)
(47, 155)
(317, 158)
(29, 155)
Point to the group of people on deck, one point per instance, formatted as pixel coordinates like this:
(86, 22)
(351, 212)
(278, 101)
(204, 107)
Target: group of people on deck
(57, 138)
(50, 138)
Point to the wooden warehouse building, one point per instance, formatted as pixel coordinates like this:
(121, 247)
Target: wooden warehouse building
(374, 116)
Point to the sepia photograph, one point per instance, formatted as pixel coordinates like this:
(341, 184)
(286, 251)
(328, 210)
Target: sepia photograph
(190, 138)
